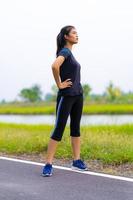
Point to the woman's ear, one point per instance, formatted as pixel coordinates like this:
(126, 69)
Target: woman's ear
(65, 36)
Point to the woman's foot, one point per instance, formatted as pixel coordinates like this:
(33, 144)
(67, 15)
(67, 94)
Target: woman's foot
(79, 165)
(47, 170)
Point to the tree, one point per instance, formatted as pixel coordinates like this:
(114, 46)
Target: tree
(113, 92)
(3, 101)
(54, 91)
(86, 89)
(31, 94)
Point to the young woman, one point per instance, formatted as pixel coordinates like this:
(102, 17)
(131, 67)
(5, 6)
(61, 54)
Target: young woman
(66, 72)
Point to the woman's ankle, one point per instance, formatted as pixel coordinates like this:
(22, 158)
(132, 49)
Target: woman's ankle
(49, 162)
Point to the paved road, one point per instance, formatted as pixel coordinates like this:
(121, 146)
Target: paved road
(22, 181)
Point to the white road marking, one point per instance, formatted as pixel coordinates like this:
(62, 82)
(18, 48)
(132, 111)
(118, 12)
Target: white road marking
(69, 169)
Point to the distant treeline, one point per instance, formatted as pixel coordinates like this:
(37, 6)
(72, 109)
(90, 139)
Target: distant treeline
(112, 94)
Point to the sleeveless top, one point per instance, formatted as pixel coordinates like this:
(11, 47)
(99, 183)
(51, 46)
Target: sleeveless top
(70, 68)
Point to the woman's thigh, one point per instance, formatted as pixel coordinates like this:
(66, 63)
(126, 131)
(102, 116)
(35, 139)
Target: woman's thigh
(75, 116)
(63, 108)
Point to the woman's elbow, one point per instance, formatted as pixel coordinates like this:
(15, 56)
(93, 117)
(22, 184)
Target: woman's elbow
(55, 67)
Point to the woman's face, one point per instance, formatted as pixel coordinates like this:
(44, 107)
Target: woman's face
(73, 36)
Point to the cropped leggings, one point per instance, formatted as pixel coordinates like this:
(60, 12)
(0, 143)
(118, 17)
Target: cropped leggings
(66, 105)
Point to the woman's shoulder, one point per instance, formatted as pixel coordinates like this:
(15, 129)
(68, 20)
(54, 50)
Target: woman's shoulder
(65, 52)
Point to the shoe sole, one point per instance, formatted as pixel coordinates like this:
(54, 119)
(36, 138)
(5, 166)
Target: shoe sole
(76, 168)
(46, 175)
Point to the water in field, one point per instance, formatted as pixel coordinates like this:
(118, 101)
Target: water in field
(50, 119)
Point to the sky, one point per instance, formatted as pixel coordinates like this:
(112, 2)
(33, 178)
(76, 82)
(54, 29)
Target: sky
(28, 31)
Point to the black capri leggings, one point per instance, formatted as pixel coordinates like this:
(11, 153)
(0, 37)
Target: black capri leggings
(66, 105)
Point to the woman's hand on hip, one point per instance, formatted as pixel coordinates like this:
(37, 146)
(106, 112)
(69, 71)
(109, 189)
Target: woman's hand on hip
(66, 83)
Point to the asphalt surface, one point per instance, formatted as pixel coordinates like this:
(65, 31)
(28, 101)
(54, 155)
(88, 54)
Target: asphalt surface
(22, 181)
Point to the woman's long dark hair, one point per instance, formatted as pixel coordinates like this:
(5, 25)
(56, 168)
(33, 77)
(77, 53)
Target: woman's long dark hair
(60, 40)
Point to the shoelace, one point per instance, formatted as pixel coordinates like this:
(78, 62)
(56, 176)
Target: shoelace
(81, 162)
(47, 167)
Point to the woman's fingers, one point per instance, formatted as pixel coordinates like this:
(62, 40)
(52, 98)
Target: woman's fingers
(69, 83)
(68, 79)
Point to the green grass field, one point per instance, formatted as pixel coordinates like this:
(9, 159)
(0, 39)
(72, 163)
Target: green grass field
(49, 108)
(111, 144)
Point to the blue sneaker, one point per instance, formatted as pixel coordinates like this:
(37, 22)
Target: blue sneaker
(79, 165)
(47, 170)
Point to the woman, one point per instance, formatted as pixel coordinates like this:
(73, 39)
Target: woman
(66, 72)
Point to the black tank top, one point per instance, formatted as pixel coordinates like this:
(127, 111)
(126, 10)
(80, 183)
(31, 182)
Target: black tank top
(70, 68)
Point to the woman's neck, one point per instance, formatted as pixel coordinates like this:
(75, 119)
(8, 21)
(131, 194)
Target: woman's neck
(68, 46)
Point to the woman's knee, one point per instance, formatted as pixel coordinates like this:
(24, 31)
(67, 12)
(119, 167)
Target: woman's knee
(57, 134)
(75, 133)
(56, 138)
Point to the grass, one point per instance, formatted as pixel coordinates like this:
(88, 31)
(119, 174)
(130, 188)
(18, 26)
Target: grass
(111, 144)
(45, 108)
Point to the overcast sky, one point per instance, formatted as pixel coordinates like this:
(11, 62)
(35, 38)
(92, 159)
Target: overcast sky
(28, 31)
